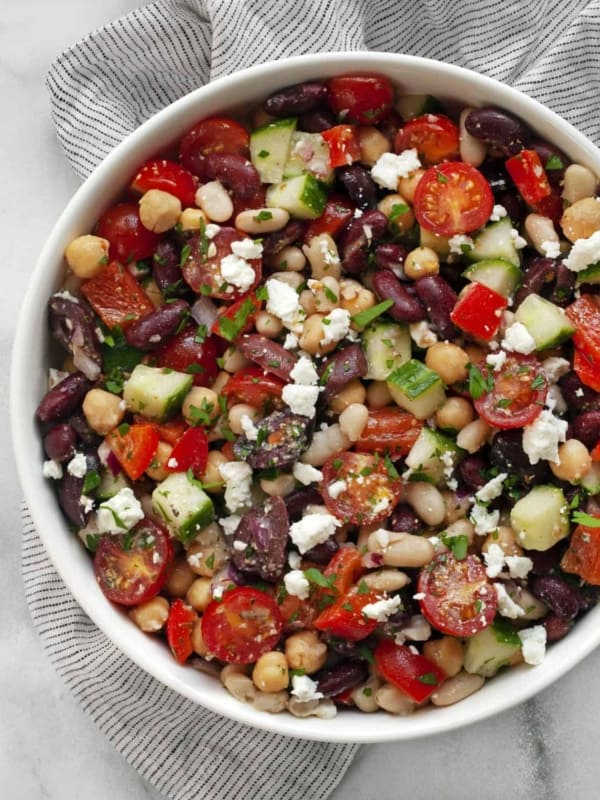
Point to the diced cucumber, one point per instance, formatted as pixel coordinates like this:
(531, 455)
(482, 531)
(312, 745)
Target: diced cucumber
(495, 273)
(410, 106)
(439, 244)
(110, 484)
(589, 275)
(490, 649)
(304, 197)
(591, 480)
(387, 346)
(417, 389)
(540, 518)
(547, 323)
(270, 148)
(184, 506)
(309, 152)
(156, 392)
(495, 241)
(433, 456)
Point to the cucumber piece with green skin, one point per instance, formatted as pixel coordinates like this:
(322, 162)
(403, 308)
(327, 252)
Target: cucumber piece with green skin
(410, 106)
(387, 345)
(433, 457)
(439, 244)
(110, 484)
(547, 323)
(183, 505)
(495, 241)
(156, 393)
(303, 196)
(495, 273)
(540, 518)
(417, 389)
(309, 152)
(270, 148)
(591, 480)
(490, 649)
(590, 274)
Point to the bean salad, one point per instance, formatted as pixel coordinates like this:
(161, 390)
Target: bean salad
(328, 415)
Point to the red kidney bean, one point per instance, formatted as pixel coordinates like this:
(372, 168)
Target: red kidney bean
(342, 367)
(342, 677)
(472, 471)
(296, 99)
(360, 186)
(404, 520)
(166, 270)
(269, 355)
(578, 396)
(560, 598)
(562, 293)
(537, 273)
(506, 453)
(297, 500)
(150, 331)
(235, 173)
(586, 427)
(407, 307)
(514, 205)
(391, 255)
(439, 298)
(59, 442)
(69, 496)
(322, 553)
(320, 119)
(357, 237)
(546, 561)
(63, 398)
(292, 233)
(80, 425)
(548, 152)
(499, 128)
(556, 628)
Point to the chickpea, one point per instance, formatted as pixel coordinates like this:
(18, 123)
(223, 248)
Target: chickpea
(207, 553)
(191, 219)
(199, 594)
(473, 436)
(373, 144)
(180, 578)
(378, 395)
(220, 381)
(237, 414)
(279, 486)
(268, 325)
(154, 293)
(212, 480)
(270, 673)
(398, 211)
(150, 617)
(354, 297)
(353, 392)
(234, 360)
(474, 352)
(407, 186)
(579, 182)
(454, 414)
(304, 650)
(581, 219)
(447, 652)
(289, 258)
(312, 333)
(103, 410)
(86, 255)
(159, 211)
(307, 302)
(293, 279)
(158, 466)
(573, 462)
(326, 293)
(448, 360)
(198, 642)
(200, 406)
(505, 538)
(420, 262)
(353, 420)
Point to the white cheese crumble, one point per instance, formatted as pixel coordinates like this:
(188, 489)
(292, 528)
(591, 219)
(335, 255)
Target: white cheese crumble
(541, 438)
(492, 489)
(518, 339)
(518, 241)
(519, 566)
(294, 559)
(247, 248)
(550, 248)
(305, 689)
(301, 399)
(238, 483)
(421, 334)
(230, 524)
(239, 545)
(494, 560)
(330, 254)
(458, 242)
(335, 489)
(498, 212)
(211, 229)
(584, 253)
(380, 610)
(496, 360)
(283, 301)
(380, 505)
(237, 271)
(306, 474)
(172, 463)
(304, 372)
(555, 368)
(249, 428)
(291, 341)
(65, 294)
(313, 529)
(119, 513)
(533, 644)
(296, 583)
(484, 521)
(555, 400)
(77, 466)
(86, 503)
(390, 167)
(506, 605)
(52, 469)
(335, 326)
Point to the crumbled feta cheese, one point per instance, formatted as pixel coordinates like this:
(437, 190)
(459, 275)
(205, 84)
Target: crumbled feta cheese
(417, 630)
(297, 584)
(86, 503)
(518, 339)
(52, 469)
(584, 253)
(330, 255)
(555, 368)
(230, 524)
(380, 610)
(447, 459)
(494, 560)
(381, 504)
(211, 229)
(65, 294)
(294, 559)
(77, 466)
(541, 438)
(306, 474)
(550, 248)
(518, 566)
(518, 241)
(496, 360)
(238, 483)
(335, 489)
(390, 167)
(283, 301)
(249, 428)
(247, 248)
(498, 212)
(172, 463)
(506, 605)
(237, 271)
(421, 334)
(419, 596)
(335, 326)
(579, 392)
(291, 341)
(239, 545)
(301, 399)
(212, 250)
(305, 689)
(459, 242)
(484, 521)
(358, 212)
(555, 400)
(304, 372)
(533, 644)
(119, 513)
(313, 529)
(492, 489)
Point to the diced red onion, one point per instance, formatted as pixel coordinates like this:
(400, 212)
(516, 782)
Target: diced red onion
(204, 312)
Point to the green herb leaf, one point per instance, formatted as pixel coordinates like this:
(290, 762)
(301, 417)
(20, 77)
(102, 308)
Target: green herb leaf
(262, 293)
(581, 518)
(315, 576)
(458, 545)
(329, 294)
(92, 540)
(363, 587)
(428, 678)
(367, 654)
(367, 691)
(263, 154)
(231, 328)
(201, 334)
(186, 251)
(364, 318)
(538, 382)
(554, 162)
(505, 633)
(478, 383)
(91, 481)
(262, 216)
(390, 468)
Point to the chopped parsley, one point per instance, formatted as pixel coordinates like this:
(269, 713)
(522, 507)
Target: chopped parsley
(364, 318)
(479, 384)
(581, 518)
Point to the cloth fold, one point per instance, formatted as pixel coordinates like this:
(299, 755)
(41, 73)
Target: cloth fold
(101, 89)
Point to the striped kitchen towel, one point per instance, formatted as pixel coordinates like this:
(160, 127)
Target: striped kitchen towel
(103, 88)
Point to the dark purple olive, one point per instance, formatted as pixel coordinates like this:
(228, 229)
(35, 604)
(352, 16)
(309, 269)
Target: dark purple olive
(556, 628)
(269, 355)
(322, 553)
(342, 367)
(578, 396)
(545, 561)
(499, 128)
(360, 186)
(316, 121)
(150, 331)
(59, 442)
(166, 270)
(264, 530)
(356, 651)
(235, 172)
(358, 235)
(553, 160)
(274, 242)
(538, 272)
(292, 438)
(507, 454)
(395, 623)
(564, 286)
(404, 520)
(439, 299)
(472, 471)
(63, 398)
(557, 594)
(495, 173)
(407, 307)
(391, 255)
(72, 323)
(203, 665)
(69, 497)
(296, 100)
(80, 425)
(586, 427)
(514, 205)
(342, 677)
(297, 500)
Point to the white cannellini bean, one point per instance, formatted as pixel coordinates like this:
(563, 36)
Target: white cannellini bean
(579, 182)
(393, 700)
(473, 436)
(262, 220)
(457, 688)
(324, 445)
(213, 199)
(408, 550)
(322, 255)
(427, 501)
(353, 420)
(540, 229)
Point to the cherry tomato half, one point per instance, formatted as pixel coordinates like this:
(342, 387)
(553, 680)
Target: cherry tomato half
(338, 211)
(168, 176)
(132, 568)
(129, 240)
(190, 452)
(254, 386)
(369, 494)
(389, 430)
(434, 136)
(517, 395)
(134, 445)
(583, 554)
(459, 598)
(212, 135)
(180, 627)
(412, 673)
(183, 353)
(345, 618)
(241, 626)
(453, 198)
(364, 99)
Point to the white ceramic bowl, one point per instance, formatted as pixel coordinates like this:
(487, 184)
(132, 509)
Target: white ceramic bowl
(30, 364)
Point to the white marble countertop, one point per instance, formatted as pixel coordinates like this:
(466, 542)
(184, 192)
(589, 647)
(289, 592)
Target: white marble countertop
(545, 749)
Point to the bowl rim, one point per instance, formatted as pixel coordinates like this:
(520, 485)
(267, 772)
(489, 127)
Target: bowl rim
(349, 729)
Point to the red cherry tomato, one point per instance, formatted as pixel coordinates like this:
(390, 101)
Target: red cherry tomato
(345, 618)
(363, 99)
(116, 296)
(237, 318)
(132, 569)
(587, 368)
(529, 176)
(183, 353)
(478, 311)
(453, 198)
(344, 146)
(337, 213)
(584, 314)
(212, 135)
(389, 430)
(370, 493)
(134, 445)
(253, 386)
(347, 567)
(459, 599)
(168, 176)
(434, 136)
(517, 395)
(297, 615)
(190, 452)
(129, 240)
(241, 626)
(412, 673)
(180, 627)
(169, 431)
(583, 554)
(203, 271)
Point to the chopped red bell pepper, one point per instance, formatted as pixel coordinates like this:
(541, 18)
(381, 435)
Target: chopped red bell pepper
(412, 673)
(596, 453)
(587, 368)
(345, 618)
(180, 627)
(237, 318)
(478, 311)
(134, 446)
(346, 565)
(344, 145)
(583, 554)
(337, 213)
(116, 296)
(190, 452)
(529, 176)
(584, 313)
(168, 176)
(254, 386)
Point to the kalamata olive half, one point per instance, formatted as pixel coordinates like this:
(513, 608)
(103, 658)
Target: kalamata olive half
(264, 532)
(282, 438)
